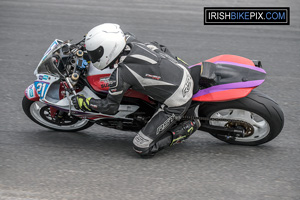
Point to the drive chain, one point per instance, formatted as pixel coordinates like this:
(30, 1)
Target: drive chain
(249, 130)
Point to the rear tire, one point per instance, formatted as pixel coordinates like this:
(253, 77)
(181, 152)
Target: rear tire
(38, 112)
(259, 110)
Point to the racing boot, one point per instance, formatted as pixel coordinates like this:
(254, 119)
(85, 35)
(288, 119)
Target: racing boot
(184, 130)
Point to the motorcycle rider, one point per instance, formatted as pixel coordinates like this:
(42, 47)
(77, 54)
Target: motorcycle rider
(148, 68)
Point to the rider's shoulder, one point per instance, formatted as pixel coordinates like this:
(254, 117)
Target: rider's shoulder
(139, 53)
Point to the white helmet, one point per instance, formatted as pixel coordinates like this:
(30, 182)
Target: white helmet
(104, 43)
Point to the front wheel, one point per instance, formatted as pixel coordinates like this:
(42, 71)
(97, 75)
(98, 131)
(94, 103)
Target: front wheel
(40, 114)
(257, 109)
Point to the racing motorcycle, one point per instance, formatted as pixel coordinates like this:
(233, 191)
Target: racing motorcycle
(224, 98)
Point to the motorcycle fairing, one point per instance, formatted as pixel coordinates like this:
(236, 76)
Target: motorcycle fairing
(30, 93)
(64, 105)
(99, 81)
(47, 89)
(39, 89)
(239, 77)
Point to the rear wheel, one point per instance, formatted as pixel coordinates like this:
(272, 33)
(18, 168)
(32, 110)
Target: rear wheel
(257, 109)
(40, 114)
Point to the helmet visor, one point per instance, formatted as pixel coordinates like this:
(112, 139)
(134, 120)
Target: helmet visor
(96, 54)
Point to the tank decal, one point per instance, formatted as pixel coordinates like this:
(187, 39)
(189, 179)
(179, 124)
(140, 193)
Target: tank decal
(224, 95)
(228, 86)
(228, 58)
(231, 58)
(99, 82)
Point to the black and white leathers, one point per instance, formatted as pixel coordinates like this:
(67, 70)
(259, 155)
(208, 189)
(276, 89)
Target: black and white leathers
(147, 69)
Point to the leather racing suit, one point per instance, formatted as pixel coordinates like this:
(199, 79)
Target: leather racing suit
(147, 69)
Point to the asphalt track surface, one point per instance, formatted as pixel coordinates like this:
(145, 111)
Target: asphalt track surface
(98, 163)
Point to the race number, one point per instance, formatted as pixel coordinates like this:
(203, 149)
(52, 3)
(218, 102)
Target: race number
(41, 88)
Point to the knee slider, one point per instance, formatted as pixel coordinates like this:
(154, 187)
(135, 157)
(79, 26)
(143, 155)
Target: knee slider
(142, 146)
(141, 143)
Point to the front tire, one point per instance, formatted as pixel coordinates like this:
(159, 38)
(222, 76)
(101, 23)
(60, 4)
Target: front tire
(259, 110)
(40, 114)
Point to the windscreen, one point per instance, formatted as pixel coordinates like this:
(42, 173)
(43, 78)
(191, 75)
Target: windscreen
(46, 65)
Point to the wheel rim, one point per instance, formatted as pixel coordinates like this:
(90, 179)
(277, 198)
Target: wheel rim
(261, 126)
(40, 112)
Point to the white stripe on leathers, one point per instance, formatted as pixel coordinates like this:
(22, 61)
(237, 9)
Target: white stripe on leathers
(144, 58)
(177, 98)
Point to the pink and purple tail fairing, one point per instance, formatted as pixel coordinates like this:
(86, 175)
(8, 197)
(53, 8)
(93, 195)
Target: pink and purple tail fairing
(232, 90)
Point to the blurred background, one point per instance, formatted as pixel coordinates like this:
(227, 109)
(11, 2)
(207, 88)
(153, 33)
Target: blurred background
(99, 163)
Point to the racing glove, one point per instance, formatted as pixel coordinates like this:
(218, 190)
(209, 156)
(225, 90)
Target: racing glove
(82, 103)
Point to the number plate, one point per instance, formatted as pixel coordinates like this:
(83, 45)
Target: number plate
(41, 88)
